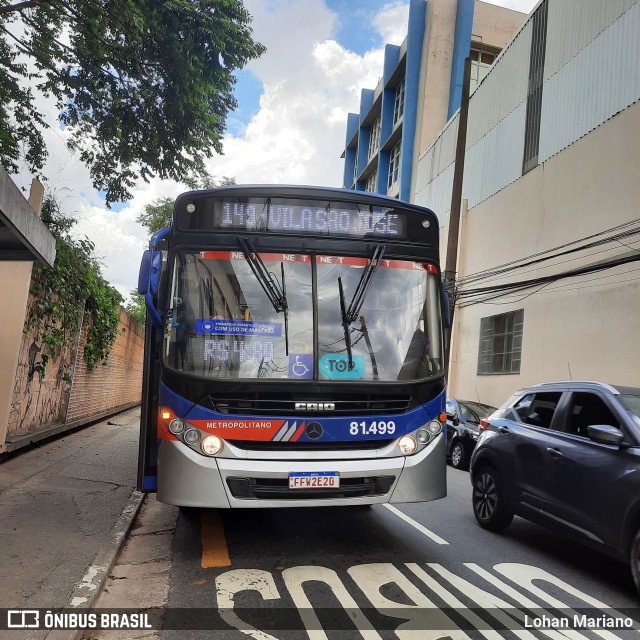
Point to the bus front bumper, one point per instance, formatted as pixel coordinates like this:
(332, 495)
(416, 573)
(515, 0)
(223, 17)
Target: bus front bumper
(188, 479)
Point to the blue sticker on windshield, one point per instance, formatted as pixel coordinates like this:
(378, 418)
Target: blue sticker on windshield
(335, 366)
(239, 328)
(301, 365)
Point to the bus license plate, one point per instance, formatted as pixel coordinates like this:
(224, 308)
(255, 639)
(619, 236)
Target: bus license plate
(314, 480)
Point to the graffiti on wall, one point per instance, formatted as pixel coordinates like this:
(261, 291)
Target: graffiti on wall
(69, 392)
(39, 400)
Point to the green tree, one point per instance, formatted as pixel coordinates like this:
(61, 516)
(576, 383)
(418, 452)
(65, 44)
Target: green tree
(159, 213)
(72, 287)
(136, 308)
(143, 85)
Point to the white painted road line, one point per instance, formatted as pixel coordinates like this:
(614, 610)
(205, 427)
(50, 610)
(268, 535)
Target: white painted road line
(416, 525)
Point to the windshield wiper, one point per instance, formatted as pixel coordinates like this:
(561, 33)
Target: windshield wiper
(276, 291)
(345, 323)
(351, 314)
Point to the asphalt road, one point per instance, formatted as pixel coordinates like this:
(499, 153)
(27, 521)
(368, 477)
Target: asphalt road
(411, 571)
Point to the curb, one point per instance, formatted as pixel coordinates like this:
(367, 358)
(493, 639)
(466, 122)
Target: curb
(14, 445)
(86, 592)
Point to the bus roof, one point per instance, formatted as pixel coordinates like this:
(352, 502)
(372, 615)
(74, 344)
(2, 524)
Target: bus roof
(305, 191)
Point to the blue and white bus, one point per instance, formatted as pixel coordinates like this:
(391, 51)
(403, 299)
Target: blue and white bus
(293, 351)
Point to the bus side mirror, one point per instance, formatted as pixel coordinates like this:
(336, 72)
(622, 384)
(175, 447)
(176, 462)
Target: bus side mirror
(149, 281)
(446, 314)
(149, 276)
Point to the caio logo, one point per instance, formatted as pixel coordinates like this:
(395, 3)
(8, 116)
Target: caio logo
(315, 406)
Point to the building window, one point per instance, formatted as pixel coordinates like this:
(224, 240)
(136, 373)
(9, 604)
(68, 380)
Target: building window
(394, 166)
(374, 138)
(398, 108)
(534, 95)
(501, 343)
(355, 167)
(372, 182)
(481, 62)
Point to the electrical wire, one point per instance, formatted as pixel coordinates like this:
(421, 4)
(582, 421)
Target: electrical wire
(486, 294)
(543, 256)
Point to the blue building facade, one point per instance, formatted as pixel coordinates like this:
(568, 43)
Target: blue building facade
(381, 138)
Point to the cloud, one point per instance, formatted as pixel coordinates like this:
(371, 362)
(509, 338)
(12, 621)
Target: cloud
(310, 82)
(391, 22)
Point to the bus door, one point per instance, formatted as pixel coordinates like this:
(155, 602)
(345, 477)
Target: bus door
(149, 280)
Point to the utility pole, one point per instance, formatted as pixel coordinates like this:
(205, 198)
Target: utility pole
(456, 200)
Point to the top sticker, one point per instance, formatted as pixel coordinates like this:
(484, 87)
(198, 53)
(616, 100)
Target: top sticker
(335, 366)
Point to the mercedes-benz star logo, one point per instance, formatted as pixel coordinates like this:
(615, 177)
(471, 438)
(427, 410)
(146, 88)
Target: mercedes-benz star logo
(314, 430)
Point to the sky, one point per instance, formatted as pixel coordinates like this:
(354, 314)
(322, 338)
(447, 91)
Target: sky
(289, 126)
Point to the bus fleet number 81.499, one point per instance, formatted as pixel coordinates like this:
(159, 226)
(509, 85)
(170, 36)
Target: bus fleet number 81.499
(378, 427)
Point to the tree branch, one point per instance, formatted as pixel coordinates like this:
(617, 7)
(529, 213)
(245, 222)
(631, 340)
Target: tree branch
(22, 5)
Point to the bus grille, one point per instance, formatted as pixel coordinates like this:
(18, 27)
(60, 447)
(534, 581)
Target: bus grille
(278, 488)
(268, 407)
(271, 445)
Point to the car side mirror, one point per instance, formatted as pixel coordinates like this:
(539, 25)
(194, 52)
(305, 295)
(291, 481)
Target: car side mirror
(605, 434)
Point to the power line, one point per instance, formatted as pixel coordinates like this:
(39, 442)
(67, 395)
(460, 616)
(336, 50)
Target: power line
(543, 256)
(484, 294)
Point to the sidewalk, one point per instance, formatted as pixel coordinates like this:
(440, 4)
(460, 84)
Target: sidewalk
(66, 507)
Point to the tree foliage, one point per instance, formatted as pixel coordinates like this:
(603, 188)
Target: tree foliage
(143, 85)
(159, 213)
(73, 287)
(136, 308)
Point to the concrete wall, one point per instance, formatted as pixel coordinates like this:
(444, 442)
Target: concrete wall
(23, 238)
(14, 293)
(30, 407)
(436, 72)
(44, 406)
(495, 26)
(579, 328)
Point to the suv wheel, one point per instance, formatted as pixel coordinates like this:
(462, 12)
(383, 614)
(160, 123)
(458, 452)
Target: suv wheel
(635, 560)
(459, 456)
(488, 500)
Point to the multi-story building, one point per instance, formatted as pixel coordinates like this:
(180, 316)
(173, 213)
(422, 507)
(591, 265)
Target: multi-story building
(549, 245)
(420, 89)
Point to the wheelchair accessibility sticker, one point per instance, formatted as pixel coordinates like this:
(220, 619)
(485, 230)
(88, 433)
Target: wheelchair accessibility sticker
(301, 365)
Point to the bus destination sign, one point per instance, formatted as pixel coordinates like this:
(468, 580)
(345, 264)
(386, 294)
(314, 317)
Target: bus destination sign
(310, 218)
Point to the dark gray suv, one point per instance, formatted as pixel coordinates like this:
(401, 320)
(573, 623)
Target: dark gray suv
(565, 455)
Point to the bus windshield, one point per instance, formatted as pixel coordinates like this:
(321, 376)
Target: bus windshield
(222, 324)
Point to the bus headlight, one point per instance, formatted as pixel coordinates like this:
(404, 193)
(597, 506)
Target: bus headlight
(435, 427)
(423, 436)
(176, 426)
(211, 445)
(191, 436)
(407, 445)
